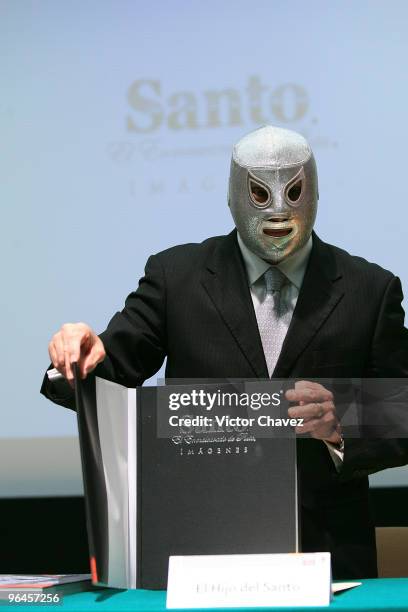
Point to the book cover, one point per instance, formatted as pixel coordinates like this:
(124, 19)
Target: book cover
(154, 490)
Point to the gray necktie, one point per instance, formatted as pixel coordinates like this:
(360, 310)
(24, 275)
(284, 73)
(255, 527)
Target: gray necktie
(272, 316)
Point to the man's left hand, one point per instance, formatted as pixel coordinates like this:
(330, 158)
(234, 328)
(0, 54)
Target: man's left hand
(315, 404)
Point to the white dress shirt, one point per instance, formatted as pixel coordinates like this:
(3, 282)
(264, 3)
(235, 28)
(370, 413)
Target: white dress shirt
(294, 268)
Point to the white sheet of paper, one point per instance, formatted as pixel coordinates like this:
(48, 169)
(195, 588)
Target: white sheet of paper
(225, 581)
(344, 586)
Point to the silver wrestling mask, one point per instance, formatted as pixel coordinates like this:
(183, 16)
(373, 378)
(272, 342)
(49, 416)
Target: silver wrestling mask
(273, 192)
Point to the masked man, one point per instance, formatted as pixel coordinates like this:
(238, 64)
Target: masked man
(269, 299)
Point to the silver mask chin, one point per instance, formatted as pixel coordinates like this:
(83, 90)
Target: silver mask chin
(273, 192)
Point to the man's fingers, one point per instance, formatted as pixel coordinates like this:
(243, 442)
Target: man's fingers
(320, 428)
(69, 374)
(307, 427)
(306, 384)
(71, 350)
(56, 351)
(308, 395)
(310, 411)
(53, 355)
(95, 356)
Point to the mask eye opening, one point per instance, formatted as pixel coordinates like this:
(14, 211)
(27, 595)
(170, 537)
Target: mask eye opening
(295, 188)
(259, 194)
(294, 191)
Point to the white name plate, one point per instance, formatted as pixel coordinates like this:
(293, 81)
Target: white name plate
(243, 581)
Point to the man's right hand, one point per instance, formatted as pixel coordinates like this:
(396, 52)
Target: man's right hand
(76, 342)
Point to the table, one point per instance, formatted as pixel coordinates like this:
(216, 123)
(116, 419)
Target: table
(385, 594)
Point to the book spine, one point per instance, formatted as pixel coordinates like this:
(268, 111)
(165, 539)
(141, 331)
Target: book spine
(133, 485)
(96, 502)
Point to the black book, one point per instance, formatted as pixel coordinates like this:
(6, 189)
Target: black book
(154, 490)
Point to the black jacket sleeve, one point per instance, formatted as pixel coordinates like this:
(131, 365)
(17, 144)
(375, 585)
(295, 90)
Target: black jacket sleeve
(377, 451)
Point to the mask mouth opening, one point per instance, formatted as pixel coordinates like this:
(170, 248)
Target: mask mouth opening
(276, 232)
(278, 226)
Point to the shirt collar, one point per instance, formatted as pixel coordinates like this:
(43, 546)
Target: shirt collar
(293, 267)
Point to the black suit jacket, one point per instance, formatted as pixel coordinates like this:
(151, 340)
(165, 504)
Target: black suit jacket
(194, 307)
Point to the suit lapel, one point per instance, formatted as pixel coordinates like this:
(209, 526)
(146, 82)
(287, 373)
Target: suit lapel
(320, 293)
(226, 283)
